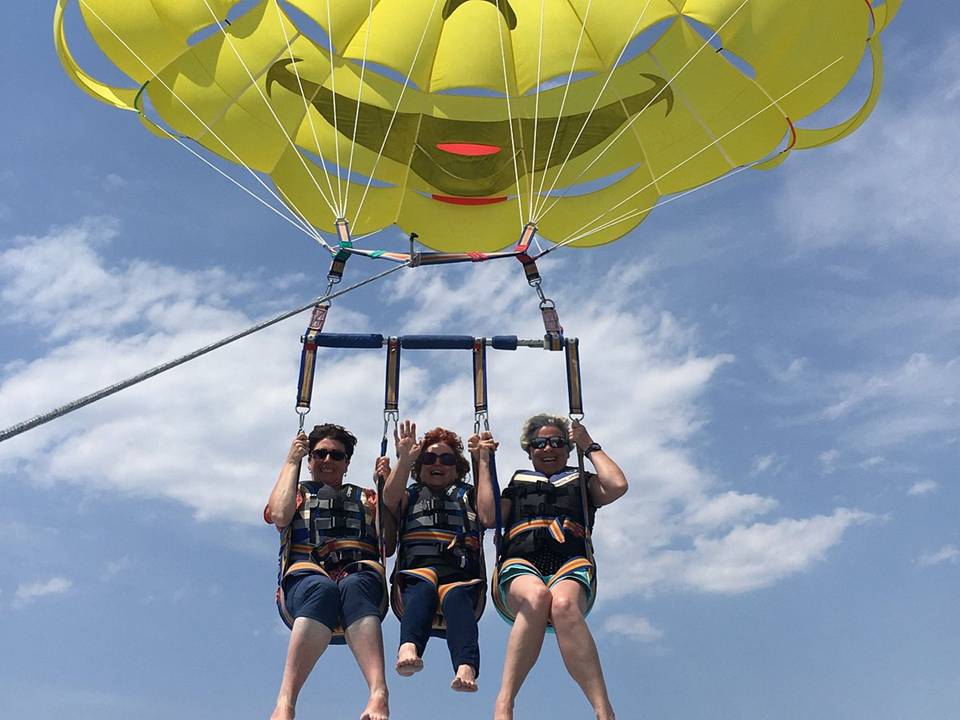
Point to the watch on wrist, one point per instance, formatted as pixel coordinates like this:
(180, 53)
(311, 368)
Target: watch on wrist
(590, 448)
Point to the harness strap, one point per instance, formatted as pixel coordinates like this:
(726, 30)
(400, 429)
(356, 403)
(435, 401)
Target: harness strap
(480, 415)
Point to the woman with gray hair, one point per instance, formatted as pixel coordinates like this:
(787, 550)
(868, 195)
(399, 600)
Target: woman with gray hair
(546, 577)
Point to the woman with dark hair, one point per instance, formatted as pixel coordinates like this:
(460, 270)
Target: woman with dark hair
(546, 577)
(439, 560)
(332, 585)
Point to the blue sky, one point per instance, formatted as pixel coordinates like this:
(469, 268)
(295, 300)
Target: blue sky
(775, 361)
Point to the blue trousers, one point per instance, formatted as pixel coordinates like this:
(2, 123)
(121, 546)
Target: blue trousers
(319, 598)
(419, 608)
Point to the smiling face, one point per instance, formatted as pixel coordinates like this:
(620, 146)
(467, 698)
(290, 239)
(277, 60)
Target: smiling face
(437, 476)
(328, 470)
(549, 460)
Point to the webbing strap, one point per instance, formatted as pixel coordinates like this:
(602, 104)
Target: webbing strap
(574, 390)
(480, 416)
(339, 261)
(391, 391)
(308, 358)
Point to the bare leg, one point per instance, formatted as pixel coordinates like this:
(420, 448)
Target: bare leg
(530, 600)
(366, 641)
(308, 639)
(577, 647)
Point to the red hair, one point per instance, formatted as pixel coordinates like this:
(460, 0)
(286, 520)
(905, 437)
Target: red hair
(447, 437)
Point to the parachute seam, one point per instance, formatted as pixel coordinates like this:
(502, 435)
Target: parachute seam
(698, 152)
(307, 227)
(333, 89)
(396, 110)
(506, 93)
(356, 116)
(536, 117)
(563, 103)
(306, 107)
(679, 94)
(266, 102)
(650, 102)
(541, 211)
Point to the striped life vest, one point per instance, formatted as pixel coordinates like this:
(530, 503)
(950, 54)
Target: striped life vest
(546, 514)
(337, 529)
(439, 528)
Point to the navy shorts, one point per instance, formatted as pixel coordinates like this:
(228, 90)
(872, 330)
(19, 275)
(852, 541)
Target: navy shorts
(319, 598)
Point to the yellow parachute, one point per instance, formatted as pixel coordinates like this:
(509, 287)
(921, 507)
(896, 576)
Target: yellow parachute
(463, 120)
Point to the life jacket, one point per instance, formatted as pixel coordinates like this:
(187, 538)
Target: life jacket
(337, 530)
(439, 528)
(547, 514)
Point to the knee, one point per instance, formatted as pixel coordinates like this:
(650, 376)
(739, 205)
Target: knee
(565, 611)
(536, 601)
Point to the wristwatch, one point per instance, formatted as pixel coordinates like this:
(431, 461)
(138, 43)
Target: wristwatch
(590, 448)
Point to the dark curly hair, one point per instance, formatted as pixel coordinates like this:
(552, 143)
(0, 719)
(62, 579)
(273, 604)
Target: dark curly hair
(334, 432)
(448, 437)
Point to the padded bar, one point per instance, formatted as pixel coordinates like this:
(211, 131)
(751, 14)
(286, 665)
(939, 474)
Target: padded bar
(349, 340)
(504, 342)
(437, 342)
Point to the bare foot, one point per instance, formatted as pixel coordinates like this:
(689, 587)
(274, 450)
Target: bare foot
(503, 710)
(282, 711)
(466, 679)
(408, 662)
(377, 707)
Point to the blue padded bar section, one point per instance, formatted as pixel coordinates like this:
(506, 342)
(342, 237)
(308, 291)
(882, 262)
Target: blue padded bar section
(349, 340)
(504, 342)
(437, 342)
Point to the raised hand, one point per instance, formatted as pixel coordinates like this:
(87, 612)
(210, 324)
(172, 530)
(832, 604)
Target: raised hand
(405, 438)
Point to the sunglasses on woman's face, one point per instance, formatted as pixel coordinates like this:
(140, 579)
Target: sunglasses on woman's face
(429, 458)
(539, 443)
(323, 453)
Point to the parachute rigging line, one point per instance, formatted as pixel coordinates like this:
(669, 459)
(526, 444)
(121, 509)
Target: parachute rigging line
(513, 140)
(396, 110)
(536, 116)
(117, 387)
(306, 107)
(269, 106)
(613, 66)
(706, 147)
(650, 102)
(356, 115)
(296, 211)
(563, 100)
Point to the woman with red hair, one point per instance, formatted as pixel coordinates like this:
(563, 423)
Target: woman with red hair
(439, 561)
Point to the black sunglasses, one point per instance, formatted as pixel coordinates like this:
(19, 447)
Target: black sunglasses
(322, 454)
(539, 443)
(429, 458)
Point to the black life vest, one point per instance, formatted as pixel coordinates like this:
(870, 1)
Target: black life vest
(439, 528)
(335, 529)
(546, 514)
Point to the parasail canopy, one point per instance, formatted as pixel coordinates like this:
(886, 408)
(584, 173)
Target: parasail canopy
(463, 120)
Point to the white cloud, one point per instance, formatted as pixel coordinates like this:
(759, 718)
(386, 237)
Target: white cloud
(28, 592)
(763, 464)
(923, 487)
(211, 434)
(948, 553)
(748, 557)
(632, 627)
(828, 459)
(884, 176)
(918, 398)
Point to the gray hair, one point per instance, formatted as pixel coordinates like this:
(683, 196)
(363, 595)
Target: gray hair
(534, 424)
